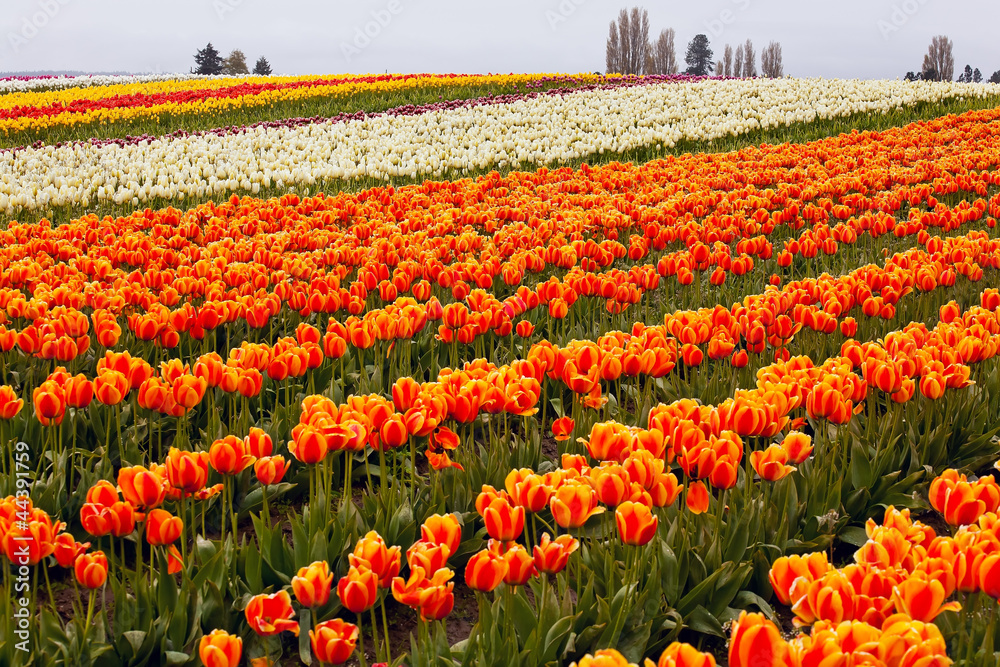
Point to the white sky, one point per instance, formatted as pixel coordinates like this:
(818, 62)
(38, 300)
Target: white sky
(846, 38)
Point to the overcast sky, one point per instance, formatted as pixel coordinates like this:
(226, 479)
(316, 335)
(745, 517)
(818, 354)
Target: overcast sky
(842, 38)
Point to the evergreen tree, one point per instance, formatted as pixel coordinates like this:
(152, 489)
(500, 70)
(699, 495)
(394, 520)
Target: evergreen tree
(977, 76)
(208, 60)
(995, 77)
(262, 68)
(699, 56)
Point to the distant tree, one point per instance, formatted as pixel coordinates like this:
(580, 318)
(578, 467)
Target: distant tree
(966, 75)
(770, 61)
(719, 68)
(662, 57)
(262, 68)
(995, 77)
(738, 62)
(749, 60)
(699, 56)
(977, 76)
(614, 64)
(939, 59)
(929, 75)
(727, 61)
(208, 61)
(638, 41)
(628, 42)
(235, 64)
(911, 76)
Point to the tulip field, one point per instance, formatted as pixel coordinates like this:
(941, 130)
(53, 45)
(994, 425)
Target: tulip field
(462, 371)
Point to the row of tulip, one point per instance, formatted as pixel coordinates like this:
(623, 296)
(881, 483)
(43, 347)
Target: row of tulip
(38, 112)
(600, 445)
(21, 84)
(736, 237)
(647, 520)
(540, 130)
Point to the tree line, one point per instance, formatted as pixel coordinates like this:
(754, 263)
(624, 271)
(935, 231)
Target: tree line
(209, 61)
(939, 65)
(630, 51)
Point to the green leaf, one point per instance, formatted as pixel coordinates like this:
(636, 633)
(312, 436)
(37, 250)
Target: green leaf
(854, 535)
(555, 636)
(176, 657)
(633, 642)
(135, 639)
(701, 620)
(523, 616)
(744, 599)
(305, 624)
(166, 588)
(701, 592)
(861, 469)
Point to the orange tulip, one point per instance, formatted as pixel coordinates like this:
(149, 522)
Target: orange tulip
(606, 657)
(270, 469)
(220, 649)
(636, 523)
(770, 463)
(103, 493)
(756, 642)
(531, 492)
(308, 444)
(143, 488)
(358, 591)
(10, 404)
(608, 441)
(445, 530)
(110, 387)
(485, 571)
(258, 443)
(551, 556)
(188, 390)
(520, 565)
(988, 575)
(504, 522)
(229, 456)
(562, 428)
(383, 561)
(162, 528)
(831, 598)
(333, 641)
(611, 483)
(66, 549)
(91, 569)
(665, 489)
(573, 504)
(798, 446)
(697, 497)
(431, 557)
(682, 655)
(433, 596)
(956, 500)
(187, 471)
(79, 392)
(271, 614)
(789, 573)
(922, 599)
(50, 403)
(524, 328)
(393, 432)
(312, 584)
